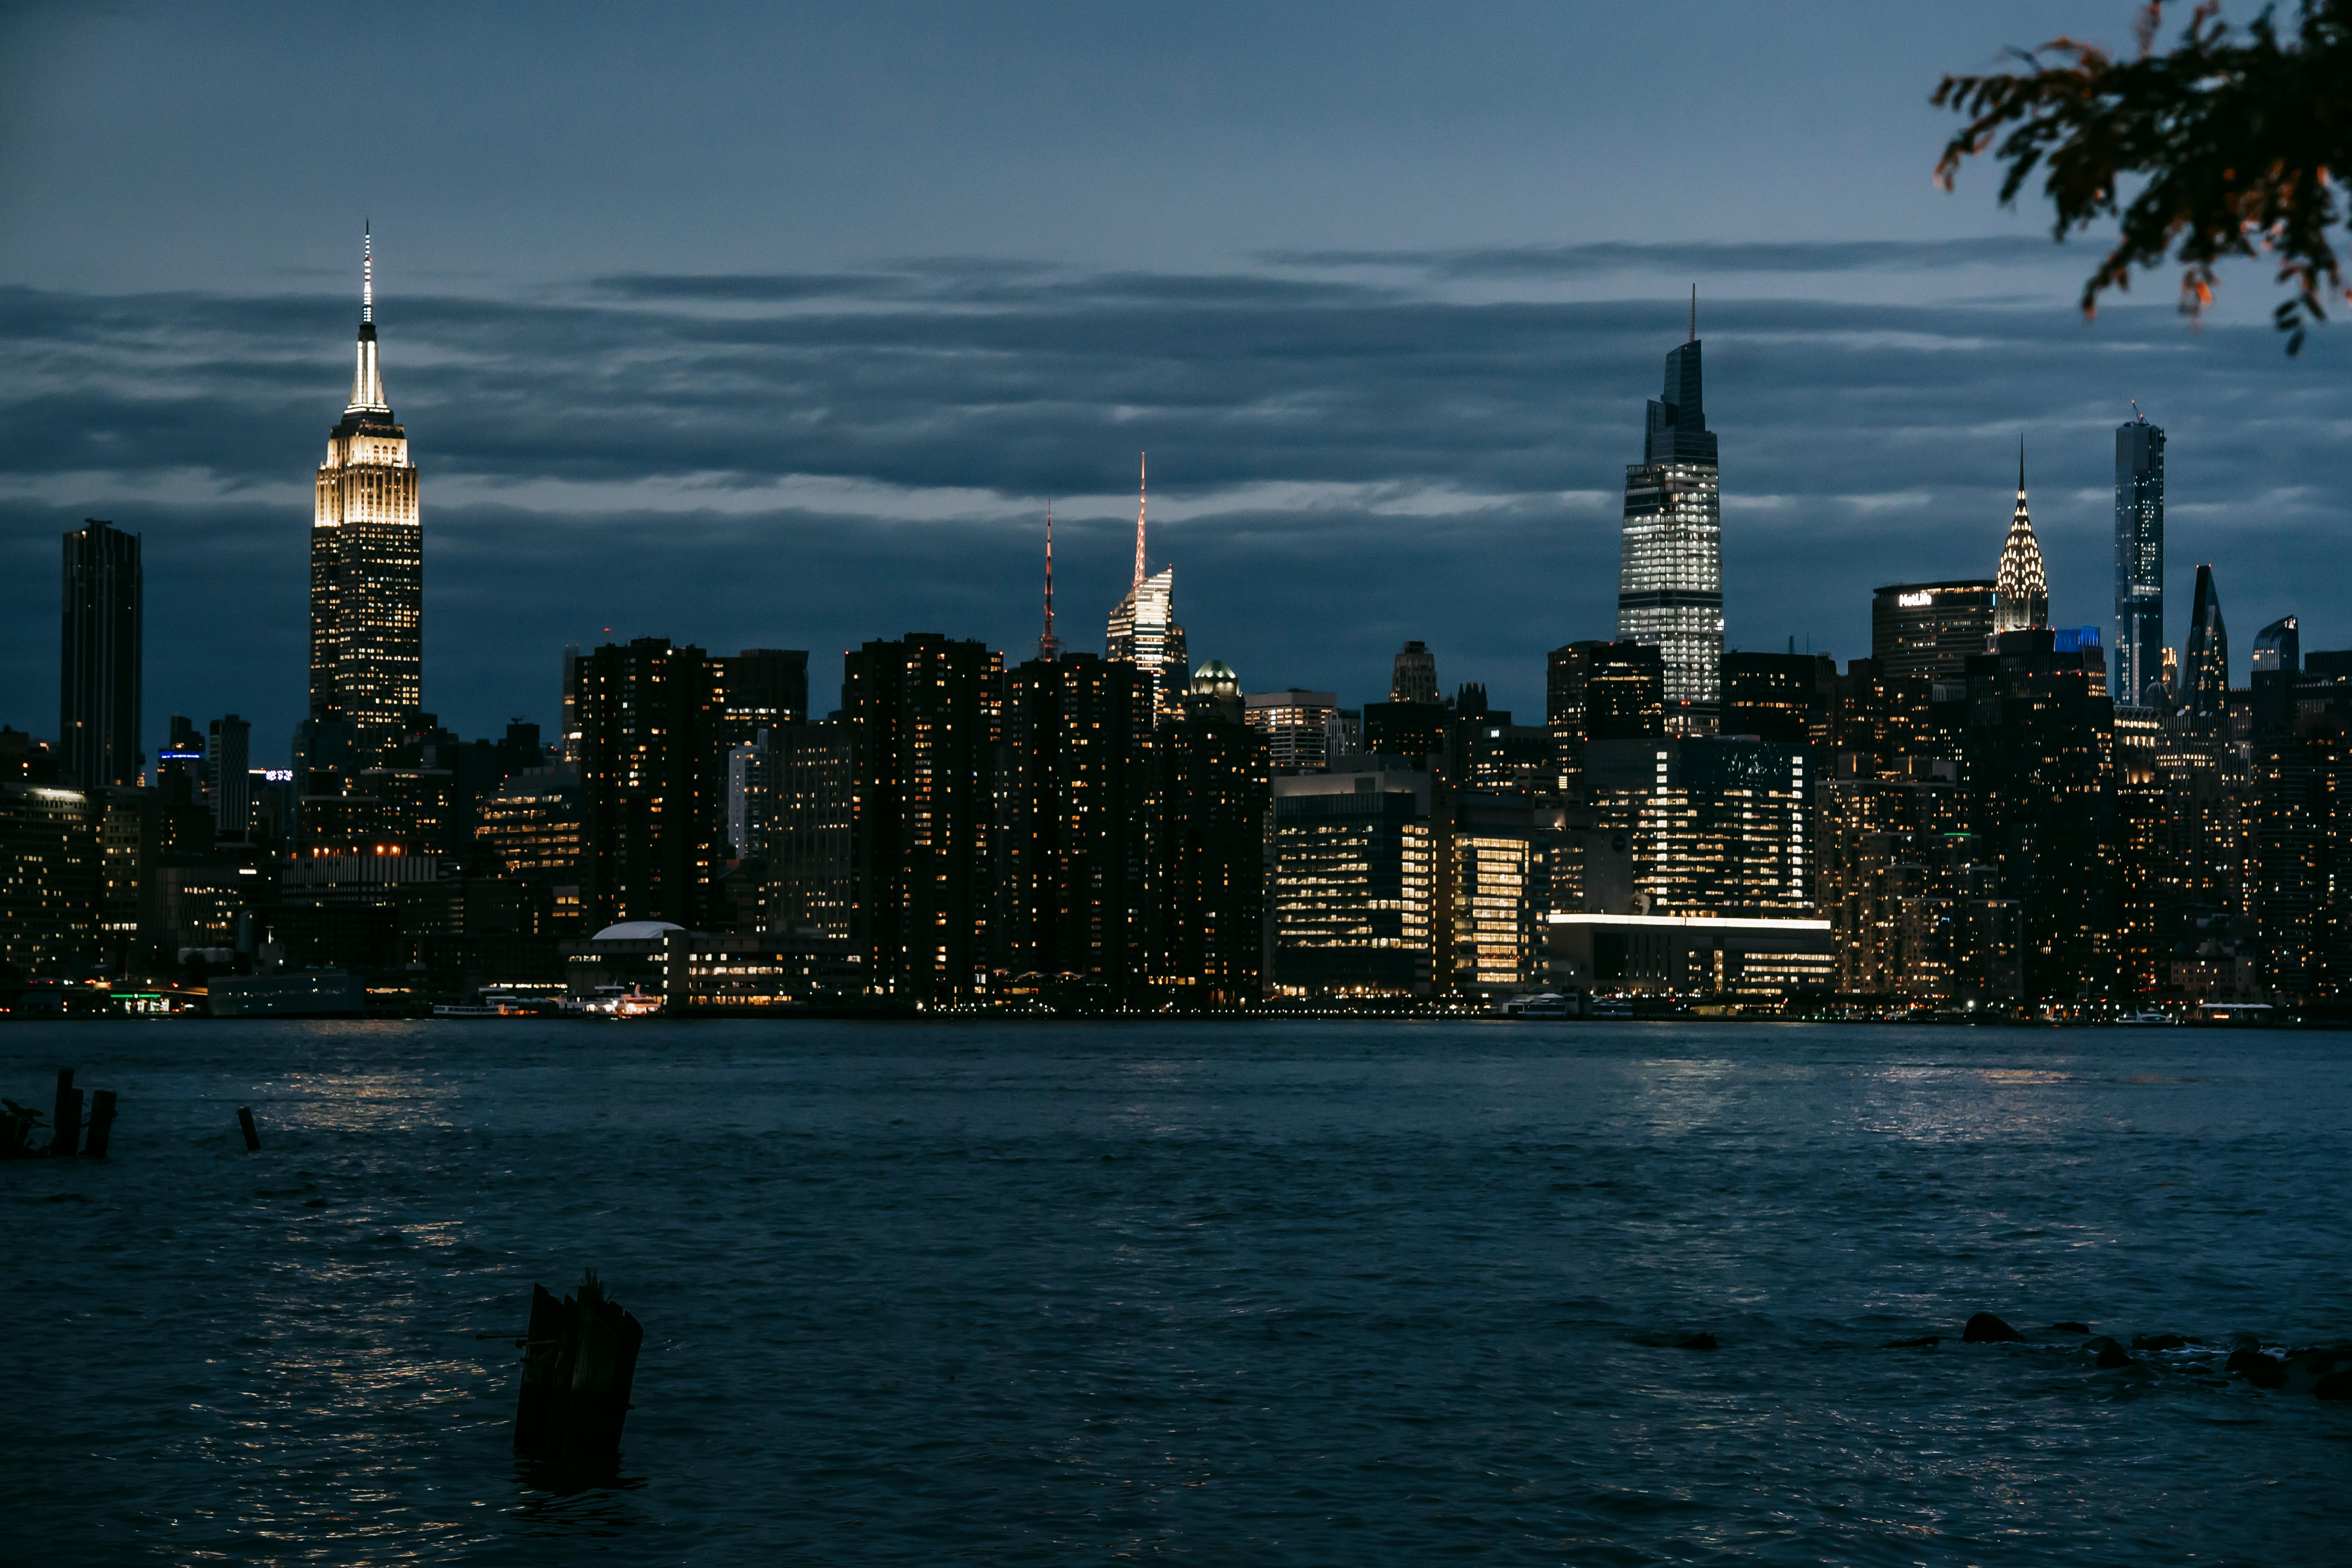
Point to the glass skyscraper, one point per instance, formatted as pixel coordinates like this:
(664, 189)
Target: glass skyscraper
(2139, 560)
(1670, 572)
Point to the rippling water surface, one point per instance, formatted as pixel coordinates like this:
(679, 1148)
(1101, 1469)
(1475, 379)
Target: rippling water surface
(1319, 1293)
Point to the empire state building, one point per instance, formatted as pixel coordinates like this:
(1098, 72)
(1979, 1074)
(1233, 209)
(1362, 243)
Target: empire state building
(367, 558)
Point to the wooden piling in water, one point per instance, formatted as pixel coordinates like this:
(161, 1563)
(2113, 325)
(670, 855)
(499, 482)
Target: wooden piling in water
(64, 1122)
(101, 1123)
(245, 1120)
(579, 1366)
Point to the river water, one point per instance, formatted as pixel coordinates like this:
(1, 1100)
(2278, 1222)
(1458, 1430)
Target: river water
(1310, 1293)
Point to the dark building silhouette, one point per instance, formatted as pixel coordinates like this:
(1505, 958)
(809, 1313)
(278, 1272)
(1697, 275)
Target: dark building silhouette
(2205, 664)
(98, 664)
(1214, 789)
(649, 716)
(2139, 561)
(2038, 767)
(1930, 629)
(1413, 731)
(1600, 691)
(2302, 863)
(1081, 793)
(2277, 668)
(228, 776)
(809, 822)
(1413, 675)
(1783, 697)
(924, 714)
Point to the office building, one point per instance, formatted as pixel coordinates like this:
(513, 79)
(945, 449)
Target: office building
(1783, 697)
(52, 879)
(1670, 572)
(98, 664)
(367, 560)
(1494, 884)
(1353, 884)
(2205, 664)
(2139, 560)
(747, 786)
(925, 716)
(1081, 800)
(1412, 676)
(1214, 791)
(1600, 691)
(809, 822)
(1930, 629)
(1721, 826)
(648, 721)
(2302, 864)
(760, 689)
(228, 775)
(1298, 727)
(2021, 594)
(2277, 670)
(529, 828)
(1143, 630)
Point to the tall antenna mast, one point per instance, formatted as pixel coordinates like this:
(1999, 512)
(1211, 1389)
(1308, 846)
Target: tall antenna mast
(1049, 646)
(1141, 495)
(1693, 331)
(367, 270)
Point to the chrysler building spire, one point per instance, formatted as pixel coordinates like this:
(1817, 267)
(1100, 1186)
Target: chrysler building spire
(2021, 594)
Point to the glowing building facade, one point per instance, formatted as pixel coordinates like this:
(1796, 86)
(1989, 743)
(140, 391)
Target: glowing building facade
(1670, 573)
(367, 559)
(1143, 630)
(2021, 594)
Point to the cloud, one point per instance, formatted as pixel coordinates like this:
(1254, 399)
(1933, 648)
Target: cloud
(808, 460)
(1524, 261)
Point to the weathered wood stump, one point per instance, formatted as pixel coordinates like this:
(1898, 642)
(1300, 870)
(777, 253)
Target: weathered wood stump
(579, 1363)
(245, 1121)
(101, 1123)
(64, 1122)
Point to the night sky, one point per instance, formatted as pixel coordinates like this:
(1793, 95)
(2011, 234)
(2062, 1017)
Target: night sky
(776, 328)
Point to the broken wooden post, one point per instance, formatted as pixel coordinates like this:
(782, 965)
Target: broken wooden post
(16, 1120)
(101, 1123)
(245, 1120)
(579, 1365)
(65, 1123)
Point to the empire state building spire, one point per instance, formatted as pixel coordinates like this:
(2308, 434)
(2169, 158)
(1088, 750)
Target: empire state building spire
(367, 376)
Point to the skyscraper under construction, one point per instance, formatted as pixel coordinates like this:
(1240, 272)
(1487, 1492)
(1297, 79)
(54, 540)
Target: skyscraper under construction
(1670, 573)
(367, 558)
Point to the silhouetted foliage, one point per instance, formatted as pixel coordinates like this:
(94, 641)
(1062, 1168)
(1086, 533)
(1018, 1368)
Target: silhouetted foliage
(2237, 136)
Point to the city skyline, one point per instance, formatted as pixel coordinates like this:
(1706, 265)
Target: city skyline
(842, 429)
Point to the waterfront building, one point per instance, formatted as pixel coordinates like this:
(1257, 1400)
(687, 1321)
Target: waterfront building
(925, 716)
(1214, 789)
(1143, 630)
(1353, 884)
(130, 837)
(52, 879)
(1720, 825)
(2140, 851)
(2038, 759)
(367, 559)
(1670, 571)
(1596, 691)
(809, 823)
(1494, 888)
(1297, 726)
(1081, 801)
(649, 715)
(2139, 560)
(99, 662)
(2020, 592)
(1912, 897)
(530, 827)
(1930, 629)
(2205, 664)
(2302, 864)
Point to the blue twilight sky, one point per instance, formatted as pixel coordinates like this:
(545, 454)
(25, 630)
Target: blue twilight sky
(763, 325)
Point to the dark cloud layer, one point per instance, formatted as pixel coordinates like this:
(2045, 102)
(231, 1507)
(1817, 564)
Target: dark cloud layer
(1355, 463)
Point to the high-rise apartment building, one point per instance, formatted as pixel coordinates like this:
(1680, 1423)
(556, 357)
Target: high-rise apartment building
(648, 721)
(2021, 593)
(98, 664)
(2139, 560)
(367, 559)
(1670, 571)
(1930, 629)
(1780, 697)
(228, 775)
(1209, 853)
(1600, 691)
(1081, 802)
(924, 715)
(808, 821)
(52, 879)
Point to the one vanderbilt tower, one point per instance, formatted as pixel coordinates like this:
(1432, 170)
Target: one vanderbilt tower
(367, 558)
(1670, 573)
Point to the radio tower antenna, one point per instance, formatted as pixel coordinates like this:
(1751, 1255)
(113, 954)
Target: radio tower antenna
(367, 270)
(1049, 646)
(1142, 471)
